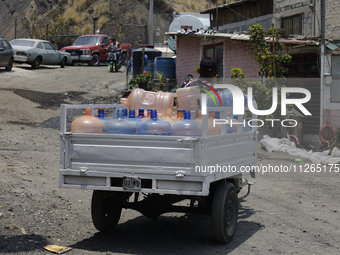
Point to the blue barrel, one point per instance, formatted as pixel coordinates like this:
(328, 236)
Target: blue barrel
(166, 65)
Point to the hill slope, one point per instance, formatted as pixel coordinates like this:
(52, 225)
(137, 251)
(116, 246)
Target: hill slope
(43, 18)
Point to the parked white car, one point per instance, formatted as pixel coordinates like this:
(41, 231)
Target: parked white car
(36, 52)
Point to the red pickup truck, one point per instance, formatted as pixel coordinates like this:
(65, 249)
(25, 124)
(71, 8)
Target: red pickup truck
(91, 49)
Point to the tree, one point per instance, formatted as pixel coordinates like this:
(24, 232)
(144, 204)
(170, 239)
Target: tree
(264, 56)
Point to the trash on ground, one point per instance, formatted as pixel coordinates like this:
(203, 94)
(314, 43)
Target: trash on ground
(11, 227)
(57, 249)
(27, 180)
(283, 145)
(298, 160)
(23, 231)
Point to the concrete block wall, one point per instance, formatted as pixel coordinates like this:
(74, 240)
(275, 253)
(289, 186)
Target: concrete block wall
(332, 22)
(287, 8)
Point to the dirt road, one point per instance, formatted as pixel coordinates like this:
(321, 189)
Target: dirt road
(284, 214)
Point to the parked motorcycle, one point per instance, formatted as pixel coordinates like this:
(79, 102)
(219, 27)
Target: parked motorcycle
(112, 59)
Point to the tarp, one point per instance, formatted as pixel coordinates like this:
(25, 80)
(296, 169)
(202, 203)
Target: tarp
(332, 47)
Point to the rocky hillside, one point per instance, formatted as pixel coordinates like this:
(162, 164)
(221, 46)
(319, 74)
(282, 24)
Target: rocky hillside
(44, 18)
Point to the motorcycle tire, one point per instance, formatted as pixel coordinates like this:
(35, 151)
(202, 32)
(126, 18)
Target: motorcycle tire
(111, 67)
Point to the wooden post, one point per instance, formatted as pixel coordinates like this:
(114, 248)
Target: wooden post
(143, 48)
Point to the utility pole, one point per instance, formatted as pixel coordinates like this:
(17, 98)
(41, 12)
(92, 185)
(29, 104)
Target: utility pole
(151, 22)
(15, 29)
(322, 78)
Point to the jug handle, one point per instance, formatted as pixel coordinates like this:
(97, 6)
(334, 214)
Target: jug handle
(124, 100)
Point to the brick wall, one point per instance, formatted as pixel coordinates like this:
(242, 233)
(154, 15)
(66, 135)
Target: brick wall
(236, 54)
(240, 55)
(188, 57)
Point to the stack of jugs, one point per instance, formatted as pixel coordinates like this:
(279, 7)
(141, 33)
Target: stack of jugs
(187, 127)
(147, 99)
(154, 126)
(87, 123)
(120, 125)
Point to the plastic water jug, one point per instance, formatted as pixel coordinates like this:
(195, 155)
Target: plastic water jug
(211, 129)
(125, 115)
(141, 113)
(101, 115)
(180, 115)
(188, 98)
(87, 123)
(148, 115)
(154, 126)
(132, 118)
(120, 125)
(168, 116)
(147, 99)
(187, 127)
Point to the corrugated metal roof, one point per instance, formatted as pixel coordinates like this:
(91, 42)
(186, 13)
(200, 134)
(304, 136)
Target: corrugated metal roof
(244, 37)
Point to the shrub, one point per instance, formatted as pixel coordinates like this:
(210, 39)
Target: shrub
(102, 22)
(85, 16)
(87, 29)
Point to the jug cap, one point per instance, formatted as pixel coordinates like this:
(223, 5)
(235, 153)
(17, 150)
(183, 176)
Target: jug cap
(132, 114)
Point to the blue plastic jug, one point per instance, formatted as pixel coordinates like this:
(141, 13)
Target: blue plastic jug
(154, 126)
(101, 115)
(119, 125)
(141, 113)
(132, 118)
(125, 115)
(187, 127)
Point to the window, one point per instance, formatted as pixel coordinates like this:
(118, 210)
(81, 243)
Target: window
(7, 46)
(335, 87)
(216, 51)
(293, 24)
(48, 46)
(40, 46)
(303, 66)
(105, 41)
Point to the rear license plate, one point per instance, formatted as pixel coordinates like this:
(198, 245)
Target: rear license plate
(131, 183)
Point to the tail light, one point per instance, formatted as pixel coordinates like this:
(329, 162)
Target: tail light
(21, 53)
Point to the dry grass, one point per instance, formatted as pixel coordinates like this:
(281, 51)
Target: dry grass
(87, 29)
(71, 13)
(77, 30)
(85, 16)
(97, 10)
(102, 21)
(105, 8)
(70, 2)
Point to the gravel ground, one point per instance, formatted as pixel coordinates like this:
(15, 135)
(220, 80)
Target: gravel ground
(284, 214)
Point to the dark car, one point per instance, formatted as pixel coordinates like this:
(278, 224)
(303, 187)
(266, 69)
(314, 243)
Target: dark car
(6, 54)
